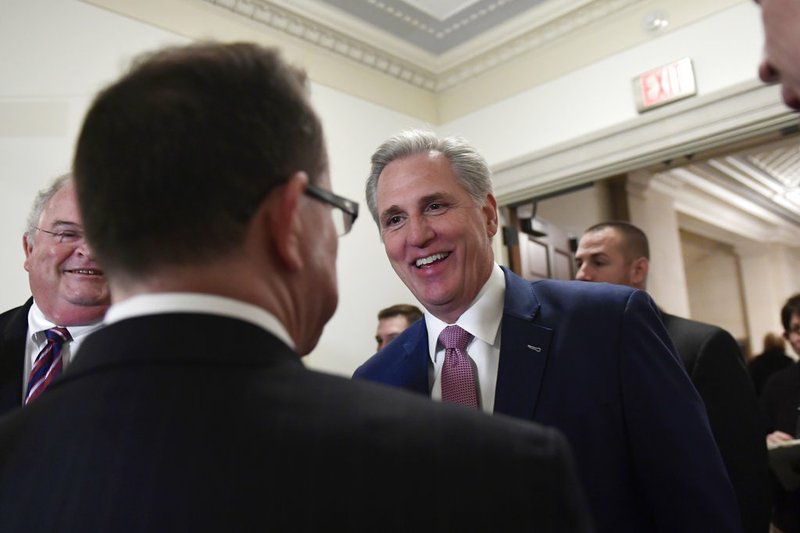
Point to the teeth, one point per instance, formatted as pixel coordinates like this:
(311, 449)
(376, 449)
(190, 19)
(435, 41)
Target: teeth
(430, 259)
(87, 272)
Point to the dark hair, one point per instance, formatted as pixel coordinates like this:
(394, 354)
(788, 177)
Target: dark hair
(468, 165)
(773, 341)
(411, 312)
(175, 157)
(791, 307)
(634, 239)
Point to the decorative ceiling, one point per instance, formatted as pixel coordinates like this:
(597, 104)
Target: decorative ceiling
(435, 45)
(436, 27)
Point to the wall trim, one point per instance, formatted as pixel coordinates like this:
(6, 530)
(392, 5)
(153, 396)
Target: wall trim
(685, 128)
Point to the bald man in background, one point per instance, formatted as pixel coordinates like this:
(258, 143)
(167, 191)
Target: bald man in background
(618, 252)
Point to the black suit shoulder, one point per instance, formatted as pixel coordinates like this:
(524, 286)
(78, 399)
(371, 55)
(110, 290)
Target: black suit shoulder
(694, 339)
(781, 398)
(13, 331)
(222, 431)
(716, 366)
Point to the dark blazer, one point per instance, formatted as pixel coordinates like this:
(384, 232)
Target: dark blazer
(13, 333)
(716, 367)
(195, 422)
(762, 366)
(594, 361)
(780, 403)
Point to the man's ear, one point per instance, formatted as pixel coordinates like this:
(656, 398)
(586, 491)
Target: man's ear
(281, 216)
(490, 212)
(639, 271)
(27, 248)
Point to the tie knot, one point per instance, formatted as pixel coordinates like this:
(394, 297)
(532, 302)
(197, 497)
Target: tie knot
(58, 335)
(455, 337)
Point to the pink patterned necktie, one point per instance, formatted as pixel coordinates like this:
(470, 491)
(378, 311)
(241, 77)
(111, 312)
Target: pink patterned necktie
(47, 365)
(458, 377)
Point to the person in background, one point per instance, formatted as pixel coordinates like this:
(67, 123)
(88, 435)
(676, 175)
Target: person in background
(393, 320)
(202, 177)
(592, 360)
(770, 360)
(780, 403)
(69, 298)
(618, 252)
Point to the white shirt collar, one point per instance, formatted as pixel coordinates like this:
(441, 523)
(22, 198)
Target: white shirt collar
(481, 319)
(38, 323)
(181, 302)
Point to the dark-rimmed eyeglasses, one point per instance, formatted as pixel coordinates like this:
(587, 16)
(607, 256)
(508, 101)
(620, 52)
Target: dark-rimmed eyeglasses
(347, 210)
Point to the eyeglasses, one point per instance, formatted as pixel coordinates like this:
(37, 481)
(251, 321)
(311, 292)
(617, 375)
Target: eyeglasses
(67, 236)
(347, 209)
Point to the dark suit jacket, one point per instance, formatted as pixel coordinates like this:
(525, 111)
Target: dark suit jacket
(762, 366)
(594, 361)
(716, 367)
(13, 333)
(780, 403)
(195, 422)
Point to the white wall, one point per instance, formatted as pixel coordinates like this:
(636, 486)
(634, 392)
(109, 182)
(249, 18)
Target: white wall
(56, 55)
(725, 48)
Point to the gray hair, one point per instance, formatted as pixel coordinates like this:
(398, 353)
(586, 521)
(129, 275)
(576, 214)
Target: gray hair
(468, 165)
(42, 198)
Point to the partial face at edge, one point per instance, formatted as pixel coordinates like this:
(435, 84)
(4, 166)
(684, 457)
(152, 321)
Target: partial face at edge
(781, 61)
(389, 329)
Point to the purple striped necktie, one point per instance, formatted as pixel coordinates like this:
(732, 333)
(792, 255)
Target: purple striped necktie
(458, 377)
(47, 365)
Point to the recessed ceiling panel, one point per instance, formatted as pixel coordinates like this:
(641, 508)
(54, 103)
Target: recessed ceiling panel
(436, 27)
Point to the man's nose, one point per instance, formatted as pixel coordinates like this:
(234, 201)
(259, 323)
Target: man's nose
(582, 275)
(83, 248)
(767, 72)
(420, 231)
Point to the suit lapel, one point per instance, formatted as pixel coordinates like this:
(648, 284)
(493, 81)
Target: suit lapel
(523, 353)
(412, 365)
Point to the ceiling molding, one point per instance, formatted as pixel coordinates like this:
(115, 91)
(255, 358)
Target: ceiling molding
(315, 28)
(294, 25)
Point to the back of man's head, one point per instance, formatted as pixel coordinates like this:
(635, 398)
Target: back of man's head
(174, 159)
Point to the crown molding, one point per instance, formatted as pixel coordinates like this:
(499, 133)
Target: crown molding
(504, 43)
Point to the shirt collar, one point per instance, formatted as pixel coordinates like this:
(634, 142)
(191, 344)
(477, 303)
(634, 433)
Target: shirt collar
(37, 323)
(481, 319)
(182, 302)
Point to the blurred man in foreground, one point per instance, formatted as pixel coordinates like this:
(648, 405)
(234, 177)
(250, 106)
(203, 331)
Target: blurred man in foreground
(203, 181)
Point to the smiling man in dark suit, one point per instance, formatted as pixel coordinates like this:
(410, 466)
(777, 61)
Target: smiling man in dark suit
(618, 252)
(592, 360)
(203, 181)
(68, 290)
